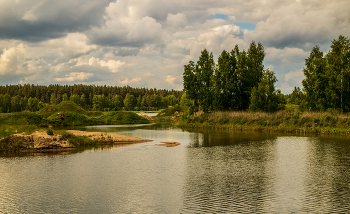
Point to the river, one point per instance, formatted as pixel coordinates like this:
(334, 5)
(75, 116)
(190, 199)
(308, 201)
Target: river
(210, 172)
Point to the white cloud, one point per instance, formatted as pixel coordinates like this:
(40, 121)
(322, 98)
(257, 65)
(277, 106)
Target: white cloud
(170, 79)
(127, 81)
(71, 45)
(297, 76)
(12, 60)
(290, 54)
(176, 21)
(112, 65)
(75, 76)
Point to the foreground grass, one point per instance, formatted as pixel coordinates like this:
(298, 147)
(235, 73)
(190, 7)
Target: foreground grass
(291, 121)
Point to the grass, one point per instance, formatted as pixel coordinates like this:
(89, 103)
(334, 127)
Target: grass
(292, 121)
(20, 122)
(64, 114)
(79, 142)
(65, 106)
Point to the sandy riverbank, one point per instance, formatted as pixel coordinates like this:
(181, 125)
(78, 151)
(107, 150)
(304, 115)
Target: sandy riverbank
(116, 138)
(42, 142)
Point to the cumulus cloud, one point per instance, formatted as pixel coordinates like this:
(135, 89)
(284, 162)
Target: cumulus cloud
(126, 81)
(297, 76)
(75, 76)
(34, 20)
(304, 24)
(12, 60)
(176, 21)
(170, 79)
(124, 28)
(112, 65)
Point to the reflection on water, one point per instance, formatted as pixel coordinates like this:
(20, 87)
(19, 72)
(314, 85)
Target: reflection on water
(210, 172)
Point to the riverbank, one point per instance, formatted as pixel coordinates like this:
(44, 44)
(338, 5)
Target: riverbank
(60, 141)
(282, 121)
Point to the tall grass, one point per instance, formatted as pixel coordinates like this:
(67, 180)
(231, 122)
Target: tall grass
(283, 121)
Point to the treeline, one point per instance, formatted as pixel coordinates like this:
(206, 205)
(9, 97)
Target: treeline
(327, 82)
(237, 82)
(14, 98)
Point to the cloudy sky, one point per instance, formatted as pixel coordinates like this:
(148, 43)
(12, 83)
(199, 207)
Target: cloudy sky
(146, 43)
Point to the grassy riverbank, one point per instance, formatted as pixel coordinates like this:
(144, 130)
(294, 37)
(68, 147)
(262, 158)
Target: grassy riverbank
(63, 114)
(291, 121)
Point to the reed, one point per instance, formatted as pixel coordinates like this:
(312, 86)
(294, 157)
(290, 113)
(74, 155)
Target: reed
(293, 121)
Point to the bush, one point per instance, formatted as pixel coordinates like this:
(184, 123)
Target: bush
(49, 132)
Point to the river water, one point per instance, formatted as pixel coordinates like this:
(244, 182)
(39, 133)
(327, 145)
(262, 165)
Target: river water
(210, 172)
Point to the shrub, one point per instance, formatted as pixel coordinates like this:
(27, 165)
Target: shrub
(49, 132)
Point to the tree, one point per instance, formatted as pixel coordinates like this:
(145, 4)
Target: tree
(129, 102)
(316, 81)
(264, 97)
(225, 82)
(185, 102)
(83, 101)
(296, 97)
(338, 67)
(75, 98)
(53, 99)
(16, 103)
(172, 100)
(205, 70)
(117, 102)
(191, 84)
(65, 97)
(99, 102)
(6, 103)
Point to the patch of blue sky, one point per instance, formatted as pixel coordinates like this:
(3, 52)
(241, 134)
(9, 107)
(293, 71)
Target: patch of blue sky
(246, 25)
(219, 16)
(242, 25)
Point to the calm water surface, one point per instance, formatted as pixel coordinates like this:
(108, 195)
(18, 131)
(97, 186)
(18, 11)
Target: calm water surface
(210, 172)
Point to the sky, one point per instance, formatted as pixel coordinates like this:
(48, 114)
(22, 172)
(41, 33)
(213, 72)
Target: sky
(146, 43)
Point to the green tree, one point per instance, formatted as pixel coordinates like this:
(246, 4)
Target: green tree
(83, 101)
(65, 97)
(316, 82)
(191, 84)
(338, 67)
(99, 102)
(53, 99)
(296, 97)
(16, 103)
(129, 102)
(75, 99)
(117, 102)
(6, 103)
(225, 82)
(172, 100)
(264, 97)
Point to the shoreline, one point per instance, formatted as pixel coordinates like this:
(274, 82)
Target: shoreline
(62, 141)
(268, 129)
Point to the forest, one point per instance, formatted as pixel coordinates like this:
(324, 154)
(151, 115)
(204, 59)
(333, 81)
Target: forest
(239, 81)
(15, 98)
